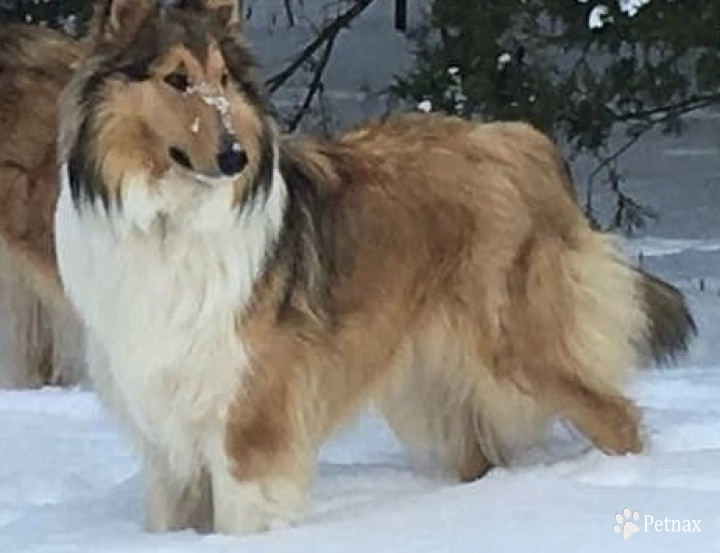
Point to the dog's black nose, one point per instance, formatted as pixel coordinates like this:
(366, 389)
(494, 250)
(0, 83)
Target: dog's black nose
(232, 159)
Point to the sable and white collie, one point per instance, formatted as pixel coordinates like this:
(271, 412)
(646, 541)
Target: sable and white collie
(248, 293)
(35, 64)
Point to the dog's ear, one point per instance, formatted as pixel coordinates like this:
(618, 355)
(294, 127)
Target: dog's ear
(227, 12)
(119, 20)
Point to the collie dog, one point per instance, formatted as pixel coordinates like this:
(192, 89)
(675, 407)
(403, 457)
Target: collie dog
(248, 293)
(43, 334)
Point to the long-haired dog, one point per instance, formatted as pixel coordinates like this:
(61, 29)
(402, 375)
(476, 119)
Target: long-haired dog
(42, 333)
(248, 294)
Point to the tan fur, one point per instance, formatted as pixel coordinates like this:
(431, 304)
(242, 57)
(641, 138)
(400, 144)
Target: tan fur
(44, 345)
(477, 304)
(42, 342)
(35, 66)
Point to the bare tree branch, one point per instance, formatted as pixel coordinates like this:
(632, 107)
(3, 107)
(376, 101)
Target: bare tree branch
(314, 87)
(328, 32)
(651, 119)
(289, 13)
(680, 108)
(401, 14)
(607, 163)
(665, 113)
(614, 156)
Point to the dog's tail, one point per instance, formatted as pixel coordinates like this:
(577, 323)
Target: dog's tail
(671, 327)
(584, 321)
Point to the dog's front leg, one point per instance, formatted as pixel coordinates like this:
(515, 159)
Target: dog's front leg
(174, 503)
(248, 501)
(243, 506)
(262, 459)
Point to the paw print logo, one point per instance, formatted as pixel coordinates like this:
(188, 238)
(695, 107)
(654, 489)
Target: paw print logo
(626, 524)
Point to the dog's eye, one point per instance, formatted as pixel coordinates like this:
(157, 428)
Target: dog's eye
(179, 81)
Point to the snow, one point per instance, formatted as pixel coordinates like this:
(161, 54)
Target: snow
(600, 14)
(70, 483)
(503, 60)
(656, 247)
(631, 7)
(425, 106)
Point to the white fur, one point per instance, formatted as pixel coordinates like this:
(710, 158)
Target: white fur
(159, 285)
(251, 506)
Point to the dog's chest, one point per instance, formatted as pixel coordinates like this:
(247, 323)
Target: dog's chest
(163, 309)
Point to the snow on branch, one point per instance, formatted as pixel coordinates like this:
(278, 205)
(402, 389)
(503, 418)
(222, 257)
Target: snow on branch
(600, 15)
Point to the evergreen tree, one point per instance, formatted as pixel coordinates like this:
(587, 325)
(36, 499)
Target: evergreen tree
(69, 16)
(578, 70)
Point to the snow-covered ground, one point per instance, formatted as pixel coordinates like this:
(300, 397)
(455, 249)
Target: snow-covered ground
(69, 483)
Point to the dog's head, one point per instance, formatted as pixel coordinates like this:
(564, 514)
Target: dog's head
(165, 115)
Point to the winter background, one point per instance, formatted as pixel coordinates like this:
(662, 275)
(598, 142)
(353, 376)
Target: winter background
(70, 483)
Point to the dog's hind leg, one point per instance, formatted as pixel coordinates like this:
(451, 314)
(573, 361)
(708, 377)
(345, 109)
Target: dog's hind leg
(435, 426)
(447, 407)
(577, 328)
(609, 420)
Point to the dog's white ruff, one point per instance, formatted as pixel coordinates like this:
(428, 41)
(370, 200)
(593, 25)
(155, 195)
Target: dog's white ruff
(159, 284)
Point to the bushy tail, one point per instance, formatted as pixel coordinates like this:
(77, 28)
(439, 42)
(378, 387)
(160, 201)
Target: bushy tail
(671, 327)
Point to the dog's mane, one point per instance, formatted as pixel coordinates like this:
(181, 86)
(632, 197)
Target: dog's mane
(308, 246)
